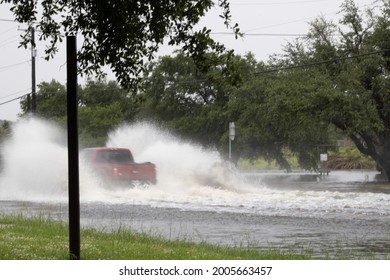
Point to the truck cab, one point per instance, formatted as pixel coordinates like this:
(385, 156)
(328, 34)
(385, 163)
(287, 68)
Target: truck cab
(117, 164)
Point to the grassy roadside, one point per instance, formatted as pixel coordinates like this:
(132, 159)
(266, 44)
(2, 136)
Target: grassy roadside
(40, 238)
(345, 158)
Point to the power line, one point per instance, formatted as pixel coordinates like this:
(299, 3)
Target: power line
(16, 98)
(264, 71)
(294, 66)
(13, 65)
(319, 62)
(9, 40)
(6, 31)
(15, 21)
(288, 22)
(8, 20)
(14, 93)
(262, 34)
(276, 34)
(277, 3)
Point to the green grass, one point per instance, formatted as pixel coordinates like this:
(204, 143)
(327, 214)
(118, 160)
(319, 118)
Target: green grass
(261, 164)
(347, 158)
(41, 238)
(264, 164)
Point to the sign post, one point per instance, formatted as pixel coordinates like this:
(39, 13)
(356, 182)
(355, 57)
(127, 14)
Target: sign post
(232, 135)
(73, 149)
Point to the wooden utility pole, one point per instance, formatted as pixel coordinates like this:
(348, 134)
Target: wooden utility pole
(73, 149)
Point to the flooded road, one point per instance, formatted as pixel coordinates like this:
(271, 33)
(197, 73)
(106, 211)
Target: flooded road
(343, 215)
(326, 219)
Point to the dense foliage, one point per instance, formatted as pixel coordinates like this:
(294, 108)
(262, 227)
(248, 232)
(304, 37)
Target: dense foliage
(5, 130)
(355, 95)
(121, 34)
(102, 106)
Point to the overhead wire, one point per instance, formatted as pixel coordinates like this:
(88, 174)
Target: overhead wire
(319, 62)
(276, 3)
(9, 40)
(14, 99)
(262, 34)
(8, 20)
(6, 31)
(2, 97)
(6, 67)
(287, 22)
(306, 65)
(272, 70)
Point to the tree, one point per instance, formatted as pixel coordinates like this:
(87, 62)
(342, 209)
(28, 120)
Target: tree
(198, 106)
(189, 102)
(101, 93)
(96, 122)
(51, 101)
(357, 97)
(102, 106)
(122, 34)
(5, 129)
(275, 113)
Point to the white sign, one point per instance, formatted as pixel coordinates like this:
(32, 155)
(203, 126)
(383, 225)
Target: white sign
(232, 131)
(324, 157)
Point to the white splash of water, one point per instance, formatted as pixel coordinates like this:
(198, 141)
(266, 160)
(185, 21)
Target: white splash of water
(34, 161)
(178, 162)
(35, 165)
(189, 177)
(185, 170)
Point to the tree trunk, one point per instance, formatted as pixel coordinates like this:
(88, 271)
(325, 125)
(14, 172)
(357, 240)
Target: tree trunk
(384, 164)
(377, 147)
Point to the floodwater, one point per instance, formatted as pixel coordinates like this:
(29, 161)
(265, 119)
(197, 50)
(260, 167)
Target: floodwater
(343, 215)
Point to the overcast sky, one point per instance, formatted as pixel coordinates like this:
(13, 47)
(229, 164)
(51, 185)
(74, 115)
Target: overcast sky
(268, 25)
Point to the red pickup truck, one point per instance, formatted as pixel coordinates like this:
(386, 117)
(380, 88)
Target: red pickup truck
(118, 164)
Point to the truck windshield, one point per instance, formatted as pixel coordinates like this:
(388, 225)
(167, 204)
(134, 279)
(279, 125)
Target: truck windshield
(114, 156)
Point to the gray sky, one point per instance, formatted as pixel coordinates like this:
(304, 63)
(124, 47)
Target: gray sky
(266, 20)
